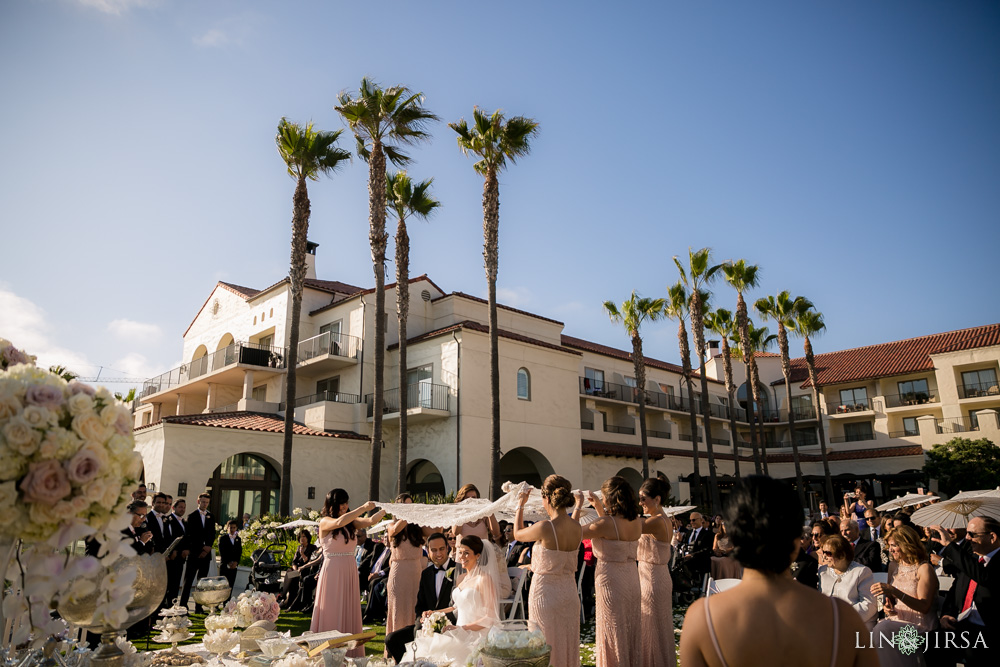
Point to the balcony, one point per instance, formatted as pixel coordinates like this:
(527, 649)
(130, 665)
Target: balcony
(331, 396)
(328, 352)
(424, 401)
(909, 400)
(686, 437)
(654, 399)
(836, 408)
(665, 435)
(979, 390)
(905, 433)
(622, 430)
(857, 437)
(587, 426)
(957, 425)
(224, 366)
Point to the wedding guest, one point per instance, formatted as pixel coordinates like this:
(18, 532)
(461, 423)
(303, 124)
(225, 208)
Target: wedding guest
(910, 594)
(303, 554)
(697, 547)
(842, 577)
(139, 493)
(824, 511)
(725, 566)
(199, 539)
(407, 561)
(805, 566)
(338, 598)
(553, 603)
(659, 649)
(765, 525)
(590, 565)
(488, 530)
(366, 553)
(138, 531)
(434, 593)
(720, 533)
(856, 503)
(230, 552)
(866, 553)
(615, 539)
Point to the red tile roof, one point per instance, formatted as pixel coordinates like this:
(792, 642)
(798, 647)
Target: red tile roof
(482, 328)
(245, 292)
(332, 286)
(251, 421)
(463, 295)
(597, 348)
(896, 358)
(357, 291)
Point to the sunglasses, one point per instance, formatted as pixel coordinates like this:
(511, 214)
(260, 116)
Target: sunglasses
(871, 518)
(828, 554)
(816, 535)
(970, 533)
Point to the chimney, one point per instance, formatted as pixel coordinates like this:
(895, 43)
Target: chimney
(311, 259)
(713, 348)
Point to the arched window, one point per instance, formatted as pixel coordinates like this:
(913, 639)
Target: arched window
(523, 384)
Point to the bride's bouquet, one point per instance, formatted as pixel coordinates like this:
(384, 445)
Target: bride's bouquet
(434, 624)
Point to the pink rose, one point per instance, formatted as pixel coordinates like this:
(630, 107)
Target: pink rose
(85, 465)
(44, 395)
(81, 388)
(46, 483)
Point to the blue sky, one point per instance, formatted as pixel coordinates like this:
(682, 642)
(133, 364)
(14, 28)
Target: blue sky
(851, 149)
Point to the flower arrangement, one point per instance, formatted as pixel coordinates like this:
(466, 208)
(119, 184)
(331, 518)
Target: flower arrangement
(298, 660)
(435, 623)
(253, 606)
(67, 468)
(220, 641)
(514, 644)
(220, 621)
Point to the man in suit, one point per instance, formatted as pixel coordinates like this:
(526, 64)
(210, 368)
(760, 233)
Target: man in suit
(805, 567)
(514, 549)
(366, 553)
(823, 513)
(230, 552)
(697, 546)
(435, 593)
(866, 553)
(199, 539)
(141, 536)
(376, 586)
(165, 529)
(972, 607)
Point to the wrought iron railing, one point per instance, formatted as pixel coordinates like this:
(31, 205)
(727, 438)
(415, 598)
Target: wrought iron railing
(251, 354)
(337, 344)
(957, 425)
(856, 437)
(418, 395)
(655, 399)
(838, 408)
(665, 435)
(587, 426)
(331, 396)
(910, 398)
(905, 433)
(232, 407)
(686, 437)
(624, 430)
(978, 390)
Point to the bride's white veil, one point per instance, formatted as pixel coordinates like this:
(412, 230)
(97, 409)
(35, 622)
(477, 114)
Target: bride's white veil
(492, 567)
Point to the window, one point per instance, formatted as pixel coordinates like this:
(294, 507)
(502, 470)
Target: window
(266, 341)
(333, 328)
(523, 384)
(259, 393)
(328, 386)
(857, 397)
(980, 383)
(420, 391)
(858, 431)
(913, 390)
(973, 421)
(910, 426)
(331, 343)
(802, 405)
(630, 382)
(593, 380)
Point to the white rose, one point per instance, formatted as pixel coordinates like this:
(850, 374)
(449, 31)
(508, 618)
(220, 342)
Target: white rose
(95, 490)
(9, 406)
(63, 509)
(12, 464)
(38, 416)
(111, 494)
(80, 503)
(80, 404)
(90, 428)
(21, 436)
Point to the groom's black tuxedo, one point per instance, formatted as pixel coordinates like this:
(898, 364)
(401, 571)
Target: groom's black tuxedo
(428, 599)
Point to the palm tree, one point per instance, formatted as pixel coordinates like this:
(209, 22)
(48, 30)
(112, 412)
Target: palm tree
(743, 277)
(307, 154)
(494, 141)
(382, 120)
(699, 275)
(632, 314)
(760, 339)
(783, 309)
(405, 199)
(676, 308)
(810, 323)
(721, 323)
(63, 372)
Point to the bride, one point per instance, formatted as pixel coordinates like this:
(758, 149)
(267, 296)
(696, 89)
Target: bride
(475, 604)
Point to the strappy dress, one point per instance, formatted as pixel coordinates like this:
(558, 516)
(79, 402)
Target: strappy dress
(659, 647)
(616, 582)
(553, 605)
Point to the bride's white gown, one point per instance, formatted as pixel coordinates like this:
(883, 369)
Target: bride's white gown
(475, 603)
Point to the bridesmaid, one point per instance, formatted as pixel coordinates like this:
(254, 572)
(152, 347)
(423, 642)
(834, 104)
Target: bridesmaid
(484, 529)
(553, 604)
(615, 537)
(338, 595)
(659, 648)
(407, 561)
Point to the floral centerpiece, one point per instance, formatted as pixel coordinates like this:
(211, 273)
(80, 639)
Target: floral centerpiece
(512, 645)
(67, 469)
(253, 606)
(434, 623)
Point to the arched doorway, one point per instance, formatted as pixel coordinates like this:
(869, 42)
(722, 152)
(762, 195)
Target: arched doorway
(424, 478)
(632, 476)
(244, 484)
(524, 464)
(741, 396)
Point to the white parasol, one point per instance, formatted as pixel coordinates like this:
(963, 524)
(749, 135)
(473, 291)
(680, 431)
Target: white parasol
(680, 509)
(982, 493)
(379, 527)
(905, 501)
(300, 523)
(956, 513)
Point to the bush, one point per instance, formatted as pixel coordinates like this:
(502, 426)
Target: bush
(964, 465)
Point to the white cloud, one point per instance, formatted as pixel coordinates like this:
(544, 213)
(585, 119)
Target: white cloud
(516, 297)
(24, 324)
(214, 38)
(136, 331)
(136, 365)
(116, 7)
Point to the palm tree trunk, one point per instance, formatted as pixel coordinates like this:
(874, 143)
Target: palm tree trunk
(727, 364)
(698, 327)
(743, 325)
(377, 239)
(296, 278)
(786, 370)
(811, 363)
(682, 340)
(491, 257)
(755, 383)
(754, 428)
(639, 366)
(402, 310)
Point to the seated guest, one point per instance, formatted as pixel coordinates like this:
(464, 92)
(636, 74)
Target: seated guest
(805, 567)
(819, 531)
(378, 601)
(738, 626)
(303, 555)
(842, 577)
(866, 553)
(434, 593)
(725, 566)
(366, 553)
(824, 511)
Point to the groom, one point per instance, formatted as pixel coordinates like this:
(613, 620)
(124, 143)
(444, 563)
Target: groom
(435, 593)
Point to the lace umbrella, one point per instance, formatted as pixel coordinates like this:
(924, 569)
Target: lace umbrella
(905, 501)
(956, 513)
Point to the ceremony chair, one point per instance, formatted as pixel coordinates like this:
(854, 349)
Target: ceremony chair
(516, 601)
